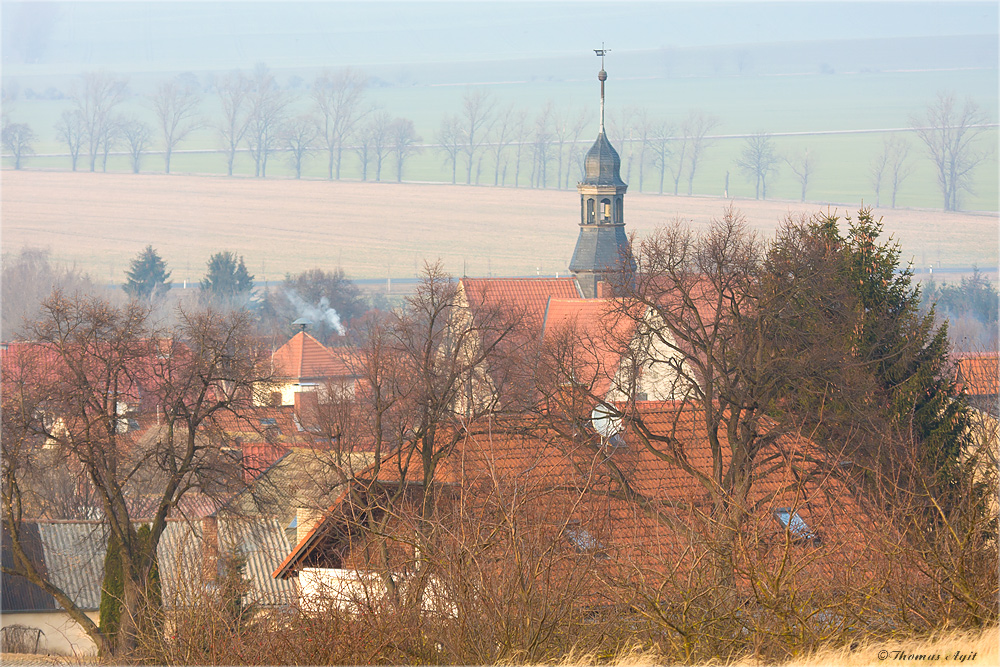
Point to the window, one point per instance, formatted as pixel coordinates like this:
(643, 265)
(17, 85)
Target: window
(584, 542)
(795, 524)
(590, 211)
(605, 210)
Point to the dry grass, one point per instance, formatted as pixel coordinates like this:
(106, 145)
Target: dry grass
(979, 648)
(968, 647)
(32, 659)
(100, 221)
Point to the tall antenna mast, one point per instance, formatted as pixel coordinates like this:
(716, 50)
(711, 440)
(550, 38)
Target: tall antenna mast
(602, 76)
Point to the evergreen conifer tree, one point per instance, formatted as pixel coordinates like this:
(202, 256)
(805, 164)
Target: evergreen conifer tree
(907, 354)
(147, 277)
(227, 279)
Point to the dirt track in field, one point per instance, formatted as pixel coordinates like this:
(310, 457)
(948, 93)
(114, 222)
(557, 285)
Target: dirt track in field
(100, 221)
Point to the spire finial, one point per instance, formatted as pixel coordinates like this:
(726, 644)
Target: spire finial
(602, 76)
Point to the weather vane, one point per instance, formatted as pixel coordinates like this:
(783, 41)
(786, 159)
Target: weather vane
(602, 52)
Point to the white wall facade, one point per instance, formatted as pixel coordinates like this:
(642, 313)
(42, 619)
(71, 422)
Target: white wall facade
(62, 635)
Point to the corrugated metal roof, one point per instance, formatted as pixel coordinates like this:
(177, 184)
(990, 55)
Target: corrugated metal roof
(264, 544)
(74, 560)
(17, 593)
(74, 556)
(183, 557)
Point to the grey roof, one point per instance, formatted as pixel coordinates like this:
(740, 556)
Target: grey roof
(601, 248)
(602, 166)
(261, 542)
(72, 553)
(74, 556)
(303, 477)
(17, 593)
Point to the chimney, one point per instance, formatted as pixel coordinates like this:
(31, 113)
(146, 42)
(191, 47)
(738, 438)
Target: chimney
(307, 407)
(210, 548)
(306, 519)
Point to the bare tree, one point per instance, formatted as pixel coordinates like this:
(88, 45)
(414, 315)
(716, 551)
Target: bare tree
(99, 359)
(337, 97)
(717, 316)
(297, 137)
(899, 166)
(266, 111)
(476, 118)
(233, 90)
(501, 137)
(18, 139)
(621, 129)
(176, 106)
(520, 131)
(137, 136)
(759, 160)
(951, 136)
(541, 147)
(362, 146)
(566, 130)
(802, 166)
(877, 170)
(643, 128)
(577, 152)
(102, 92)
(678, 154)
(403, 141)
(695, 129)
(111, 136)
(29, 276)
(659, 145)
(449, 142)
(70, 131)
(381, 137)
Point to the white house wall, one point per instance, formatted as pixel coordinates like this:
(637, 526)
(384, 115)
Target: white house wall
(62, 635)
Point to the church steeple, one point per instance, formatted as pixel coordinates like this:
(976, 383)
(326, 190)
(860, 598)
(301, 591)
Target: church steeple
(602, 249)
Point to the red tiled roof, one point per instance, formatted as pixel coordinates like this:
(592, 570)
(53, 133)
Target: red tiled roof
(596, 331)
(304, 357)
(548, 467)
(979, 375)
(530, 295)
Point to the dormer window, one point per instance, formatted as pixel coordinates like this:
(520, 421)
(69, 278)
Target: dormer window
(583, 541)
(796, 525)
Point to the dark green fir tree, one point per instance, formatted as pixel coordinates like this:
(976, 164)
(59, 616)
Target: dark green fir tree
(147, 277)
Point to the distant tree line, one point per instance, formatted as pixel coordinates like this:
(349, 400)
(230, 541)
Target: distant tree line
(257, 116)
(327, 298)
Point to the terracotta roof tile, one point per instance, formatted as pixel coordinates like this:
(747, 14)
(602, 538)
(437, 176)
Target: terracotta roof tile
(548, 468)
(596, 331)
(979, 375)
(528, 294)
(304, 357)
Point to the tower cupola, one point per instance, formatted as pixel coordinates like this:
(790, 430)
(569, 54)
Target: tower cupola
(602, 249)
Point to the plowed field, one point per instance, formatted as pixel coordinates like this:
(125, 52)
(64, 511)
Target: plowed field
(100, 221)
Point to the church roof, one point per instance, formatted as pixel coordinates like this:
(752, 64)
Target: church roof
(305, 357)
(602, 165)
(530, 295)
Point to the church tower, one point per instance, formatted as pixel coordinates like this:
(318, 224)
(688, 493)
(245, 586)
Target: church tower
(602, 249)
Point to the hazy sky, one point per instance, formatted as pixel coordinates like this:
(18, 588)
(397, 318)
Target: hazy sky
(166, 35)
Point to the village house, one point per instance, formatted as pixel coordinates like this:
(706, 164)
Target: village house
(192, 557)
(602, 493)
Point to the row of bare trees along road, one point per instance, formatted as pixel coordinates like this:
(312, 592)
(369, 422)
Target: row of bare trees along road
(255, 115)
